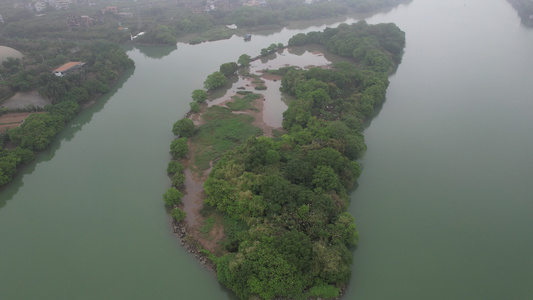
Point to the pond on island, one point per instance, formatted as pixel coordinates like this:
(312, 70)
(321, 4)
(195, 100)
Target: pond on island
(443, 205)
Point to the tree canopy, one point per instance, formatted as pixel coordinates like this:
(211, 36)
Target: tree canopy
(183, 127)
(215, 80)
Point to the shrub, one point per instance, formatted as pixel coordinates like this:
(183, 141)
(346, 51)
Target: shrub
(172, 197)
(178, 214)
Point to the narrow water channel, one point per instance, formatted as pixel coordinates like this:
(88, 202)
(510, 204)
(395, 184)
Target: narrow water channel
(443, 206)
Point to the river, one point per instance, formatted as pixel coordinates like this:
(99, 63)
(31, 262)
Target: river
(443, 205)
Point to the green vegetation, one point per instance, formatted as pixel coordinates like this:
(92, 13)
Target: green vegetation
(183, 127)
(244, 60)
(104, 63)
(163, 21)
(243, 103)
(229, 69)
(284, 200)
(222, 131)
(209, 222)
(172, 197)
(158, 35)
(178, 214)
(199, 96)
(195, 106)
(215, 80)
(179, 148)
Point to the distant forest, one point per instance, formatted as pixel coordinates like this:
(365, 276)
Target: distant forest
(525, 10)
(164, 21)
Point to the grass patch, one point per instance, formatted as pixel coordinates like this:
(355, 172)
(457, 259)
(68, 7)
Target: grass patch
(209, 222)
(222, 131)
(213, 34)
(243, 103)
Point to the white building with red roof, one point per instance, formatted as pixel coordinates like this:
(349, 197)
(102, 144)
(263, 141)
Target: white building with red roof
(68, 68)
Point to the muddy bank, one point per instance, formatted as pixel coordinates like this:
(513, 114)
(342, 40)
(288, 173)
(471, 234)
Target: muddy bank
(191, 244)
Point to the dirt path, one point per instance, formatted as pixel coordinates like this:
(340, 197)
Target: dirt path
(192, 202)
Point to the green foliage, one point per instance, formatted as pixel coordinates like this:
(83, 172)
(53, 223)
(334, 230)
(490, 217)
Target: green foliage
(195, 107)
(324, 291)
(265, 52)
(179, 148)
(10, 159)
(199, 95)
(284, 200)
(244, 60)
(215, 80)
(37, 131)
(229, 68)
(172, 197)
(183, 127)
(178, 214)
(243, 103)
(206, 228)
(221, 132)
(175, 167)
(159, 34)
(178, 179)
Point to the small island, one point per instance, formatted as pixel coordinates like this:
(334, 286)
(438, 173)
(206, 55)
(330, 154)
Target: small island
(273, 221)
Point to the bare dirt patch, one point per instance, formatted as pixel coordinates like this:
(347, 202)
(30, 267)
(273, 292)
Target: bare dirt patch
(25, 100)
(192, 203)
(12, 120)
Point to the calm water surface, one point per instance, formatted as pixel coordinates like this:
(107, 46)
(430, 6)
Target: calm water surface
(443, 205)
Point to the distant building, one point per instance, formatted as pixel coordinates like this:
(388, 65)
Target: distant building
(125, 14)
(112, 9)
(78, 21)
(40, 5)
(62, 4)
(86, 21)
(68, 68)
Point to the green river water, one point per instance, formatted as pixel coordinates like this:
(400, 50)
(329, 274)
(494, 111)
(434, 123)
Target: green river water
(444, 205)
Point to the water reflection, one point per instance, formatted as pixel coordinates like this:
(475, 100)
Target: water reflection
(71, 128)
(157, 52)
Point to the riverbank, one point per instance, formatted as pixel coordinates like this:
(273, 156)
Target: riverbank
(190, 230)
(31, 133)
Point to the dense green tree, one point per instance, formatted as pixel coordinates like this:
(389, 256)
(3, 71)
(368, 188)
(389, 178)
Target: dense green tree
(229, 68)
(244, 60)
(214, 81)
(175, 167)
(172, 196)
(179, 148)
(199, 96)
(178, 214)
(183, 127)
(195, 107)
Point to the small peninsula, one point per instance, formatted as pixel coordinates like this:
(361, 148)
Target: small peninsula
(273, 222)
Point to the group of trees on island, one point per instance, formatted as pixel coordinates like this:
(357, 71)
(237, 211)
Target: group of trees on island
(104, 63)
(284, 199)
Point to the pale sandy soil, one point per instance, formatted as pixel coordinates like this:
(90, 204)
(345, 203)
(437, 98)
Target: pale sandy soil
(24, 100)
